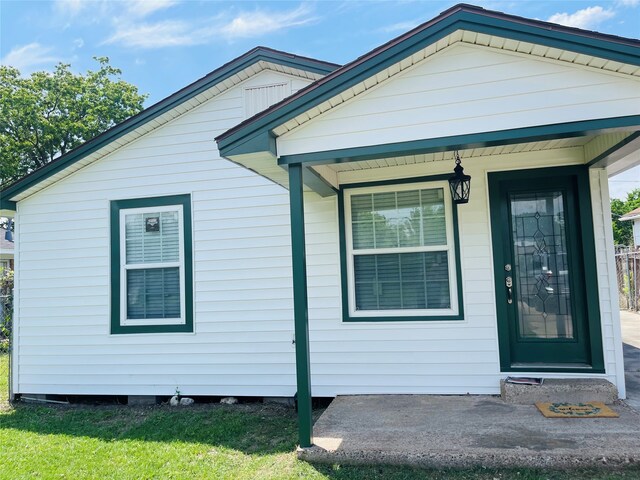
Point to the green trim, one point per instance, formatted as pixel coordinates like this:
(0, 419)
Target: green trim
(219, 75)
(7, 204)
(582, 228)
(467, 141)
(616, 152)
(317, 183)
(116, 206)
(346, 317)
(300, 306)
(460, 17)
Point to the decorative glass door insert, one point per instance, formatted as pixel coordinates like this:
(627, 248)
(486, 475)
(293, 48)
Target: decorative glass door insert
(541, 268)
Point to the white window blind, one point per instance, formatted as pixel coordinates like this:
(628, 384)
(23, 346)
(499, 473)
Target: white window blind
(152, 267)
(400, 249)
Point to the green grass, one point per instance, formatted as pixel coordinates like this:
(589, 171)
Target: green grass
(251, 441)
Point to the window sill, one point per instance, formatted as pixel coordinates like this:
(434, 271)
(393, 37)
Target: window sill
(406, 318)
(166, 328)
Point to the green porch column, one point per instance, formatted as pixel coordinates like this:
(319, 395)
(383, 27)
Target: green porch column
(300, 307)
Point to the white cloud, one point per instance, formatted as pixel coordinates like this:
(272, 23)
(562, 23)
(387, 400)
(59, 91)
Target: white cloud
(70, 8)
(78, 43)
(144, 8)
(586, 18)
(26, 57)
(100, 11)
(168, 33)
(172, 33)
(629, 3)
(258, 23)
(400, 27)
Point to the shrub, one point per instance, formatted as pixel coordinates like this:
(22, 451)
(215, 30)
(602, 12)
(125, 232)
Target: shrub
(6, 308)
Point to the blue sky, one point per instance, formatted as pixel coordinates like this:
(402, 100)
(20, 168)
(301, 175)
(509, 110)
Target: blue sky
(163, 45)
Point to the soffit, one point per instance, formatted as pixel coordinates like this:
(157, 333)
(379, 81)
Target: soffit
(470, 153)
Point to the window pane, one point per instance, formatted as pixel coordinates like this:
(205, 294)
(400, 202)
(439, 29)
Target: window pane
(433, 220)
(402, 281)
(385, 218)
(153, 293)
(411, 218)
(152, 237)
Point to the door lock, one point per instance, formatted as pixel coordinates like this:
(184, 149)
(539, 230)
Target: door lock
(509, 284)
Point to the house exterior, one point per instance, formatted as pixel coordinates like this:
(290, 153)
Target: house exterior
(634, 215)
(6, 252)
(315, 248)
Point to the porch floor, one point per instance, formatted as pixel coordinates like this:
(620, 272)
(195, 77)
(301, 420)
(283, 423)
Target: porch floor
(472, 430)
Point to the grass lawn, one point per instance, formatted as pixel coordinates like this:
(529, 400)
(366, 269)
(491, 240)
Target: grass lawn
(250, 441)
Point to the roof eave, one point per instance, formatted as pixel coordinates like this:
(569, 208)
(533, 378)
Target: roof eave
(225, 71)
(240, 138)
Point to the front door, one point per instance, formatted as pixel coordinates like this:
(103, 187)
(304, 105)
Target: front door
(544, 262)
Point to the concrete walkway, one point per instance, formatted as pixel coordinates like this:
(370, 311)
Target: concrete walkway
(463, 431)
(631, 348)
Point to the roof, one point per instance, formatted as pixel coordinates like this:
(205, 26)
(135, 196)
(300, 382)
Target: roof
(632, 215)
(181, 96)
(254, 133)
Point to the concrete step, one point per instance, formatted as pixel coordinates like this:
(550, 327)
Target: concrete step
(570, 390)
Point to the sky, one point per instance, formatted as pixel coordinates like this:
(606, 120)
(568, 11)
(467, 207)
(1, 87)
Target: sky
(164, 45)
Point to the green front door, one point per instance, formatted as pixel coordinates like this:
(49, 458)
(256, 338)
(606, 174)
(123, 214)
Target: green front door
(544, 263)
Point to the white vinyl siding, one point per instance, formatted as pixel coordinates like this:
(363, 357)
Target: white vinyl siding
(467, 89)
(400, 251)
(262, 97)
(242, 343)
(152, 266)
(242, 338)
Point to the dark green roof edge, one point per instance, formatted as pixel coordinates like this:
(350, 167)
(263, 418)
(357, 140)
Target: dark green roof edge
(466, 141)
(241, 138)
(227, 70)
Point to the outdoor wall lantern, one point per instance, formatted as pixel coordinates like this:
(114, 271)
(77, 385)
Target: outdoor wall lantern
(459, 183)
(8, 235)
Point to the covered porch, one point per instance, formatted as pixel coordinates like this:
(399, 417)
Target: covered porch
(400, 289)
(464, 431)
(528, 166)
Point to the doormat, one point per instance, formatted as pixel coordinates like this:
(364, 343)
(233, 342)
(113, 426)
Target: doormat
(576, 410)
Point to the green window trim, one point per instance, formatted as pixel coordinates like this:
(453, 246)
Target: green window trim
(183, 201)
(345, 258)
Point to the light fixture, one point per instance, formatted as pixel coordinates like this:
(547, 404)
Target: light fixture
(459, 183)
(8, 235)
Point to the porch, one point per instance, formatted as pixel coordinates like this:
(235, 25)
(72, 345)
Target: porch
(409, 294)
(470, 430)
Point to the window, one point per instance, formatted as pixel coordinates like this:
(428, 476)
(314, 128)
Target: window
(400, 253)
(151, 265)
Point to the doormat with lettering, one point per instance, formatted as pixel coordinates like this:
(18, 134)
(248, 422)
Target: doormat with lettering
(576, 410)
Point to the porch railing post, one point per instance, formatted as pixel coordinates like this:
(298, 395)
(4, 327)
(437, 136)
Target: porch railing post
(300, 305)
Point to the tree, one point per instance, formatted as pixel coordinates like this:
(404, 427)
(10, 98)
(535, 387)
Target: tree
(50, 113)
(623, 231)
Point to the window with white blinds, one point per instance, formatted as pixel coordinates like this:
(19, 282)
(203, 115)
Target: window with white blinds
(400, 251)
(152, 265)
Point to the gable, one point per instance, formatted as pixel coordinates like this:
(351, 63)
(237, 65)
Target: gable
(465, 89)
(298, 70)
(460, 23)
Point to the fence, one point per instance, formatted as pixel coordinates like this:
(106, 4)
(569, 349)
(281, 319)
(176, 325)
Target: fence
(627, 270)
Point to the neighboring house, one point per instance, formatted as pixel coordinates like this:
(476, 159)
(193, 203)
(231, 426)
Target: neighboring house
(635, 216)
(6, 251)
(183, 262)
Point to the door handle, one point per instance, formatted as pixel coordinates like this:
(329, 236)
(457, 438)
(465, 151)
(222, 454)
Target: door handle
(509, 284)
